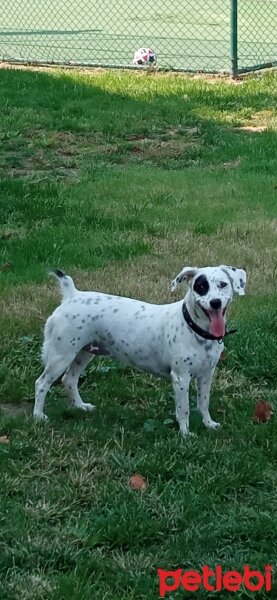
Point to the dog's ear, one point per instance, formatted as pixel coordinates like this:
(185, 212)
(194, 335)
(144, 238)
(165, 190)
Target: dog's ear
(186, 274)
(237, 278)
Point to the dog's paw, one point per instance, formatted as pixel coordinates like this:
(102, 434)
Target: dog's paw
(87, 407)
(212, 424)
(185, 433)
(40, 417)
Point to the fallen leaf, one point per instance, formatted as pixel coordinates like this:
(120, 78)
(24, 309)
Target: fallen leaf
(263, 412)
(4, 439)
(138, 482)
(135, 150)
(223, 356)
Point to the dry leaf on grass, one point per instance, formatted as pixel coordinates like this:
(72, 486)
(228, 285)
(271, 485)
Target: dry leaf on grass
(4, 439)
(138, 482)
(135, 150)
(223, 356)
(263, 412)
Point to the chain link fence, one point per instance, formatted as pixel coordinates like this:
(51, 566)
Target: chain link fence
(188, 35)
(257, 33)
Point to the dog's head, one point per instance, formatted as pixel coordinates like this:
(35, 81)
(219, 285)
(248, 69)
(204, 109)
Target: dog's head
(211, 289)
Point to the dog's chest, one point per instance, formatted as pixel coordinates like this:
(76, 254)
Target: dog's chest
(210, 355)
(200, 354)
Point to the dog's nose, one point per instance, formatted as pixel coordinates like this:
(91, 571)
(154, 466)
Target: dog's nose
(215, 304)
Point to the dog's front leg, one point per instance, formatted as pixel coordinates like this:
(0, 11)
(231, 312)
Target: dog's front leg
(203, 398)
(181, 383)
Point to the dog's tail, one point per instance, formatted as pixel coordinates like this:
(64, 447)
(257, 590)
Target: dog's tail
(67, 286)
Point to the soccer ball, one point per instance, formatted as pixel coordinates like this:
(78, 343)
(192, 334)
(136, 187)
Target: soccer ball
(145, 56)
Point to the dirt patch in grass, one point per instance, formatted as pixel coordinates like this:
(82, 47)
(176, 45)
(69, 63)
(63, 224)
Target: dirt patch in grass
(16, 410)
(173, 142)
(36, 153)
(175, 147)
(259, 122)
(251, 128)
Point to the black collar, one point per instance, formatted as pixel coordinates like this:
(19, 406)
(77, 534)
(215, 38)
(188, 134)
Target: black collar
(204, 334)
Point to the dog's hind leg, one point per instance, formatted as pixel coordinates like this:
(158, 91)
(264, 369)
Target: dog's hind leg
(71, 378)
(53, 369)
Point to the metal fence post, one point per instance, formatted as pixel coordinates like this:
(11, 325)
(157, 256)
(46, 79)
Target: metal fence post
(234, 37)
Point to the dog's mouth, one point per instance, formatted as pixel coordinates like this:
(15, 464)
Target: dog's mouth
(217, 320)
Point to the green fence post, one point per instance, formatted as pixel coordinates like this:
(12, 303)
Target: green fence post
(234, 37)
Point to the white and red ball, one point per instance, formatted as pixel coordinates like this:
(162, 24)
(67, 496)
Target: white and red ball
(145, 56)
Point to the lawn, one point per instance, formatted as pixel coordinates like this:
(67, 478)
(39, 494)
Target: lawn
(120, 179)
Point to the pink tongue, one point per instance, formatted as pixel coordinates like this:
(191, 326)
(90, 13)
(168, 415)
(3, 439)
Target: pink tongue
(217, 326)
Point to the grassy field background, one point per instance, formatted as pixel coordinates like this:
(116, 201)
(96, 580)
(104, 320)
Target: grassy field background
(121, 179)
(190, 35)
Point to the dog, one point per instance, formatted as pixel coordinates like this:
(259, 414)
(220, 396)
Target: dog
(181, 340)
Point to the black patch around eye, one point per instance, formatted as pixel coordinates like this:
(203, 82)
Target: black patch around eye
(201, 285)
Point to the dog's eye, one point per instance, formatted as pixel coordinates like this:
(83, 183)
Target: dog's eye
(201, 285)
(223, 284)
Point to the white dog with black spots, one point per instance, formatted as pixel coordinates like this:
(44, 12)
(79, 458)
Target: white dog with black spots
(181, 340)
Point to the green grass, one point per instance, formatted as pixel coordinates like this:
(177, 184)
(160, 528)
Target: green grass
(120, 179)
(189, 35)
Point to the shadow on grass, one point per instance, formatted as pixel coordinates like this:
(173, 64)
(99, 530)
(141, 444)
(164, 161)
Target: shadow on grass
(54, 122)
